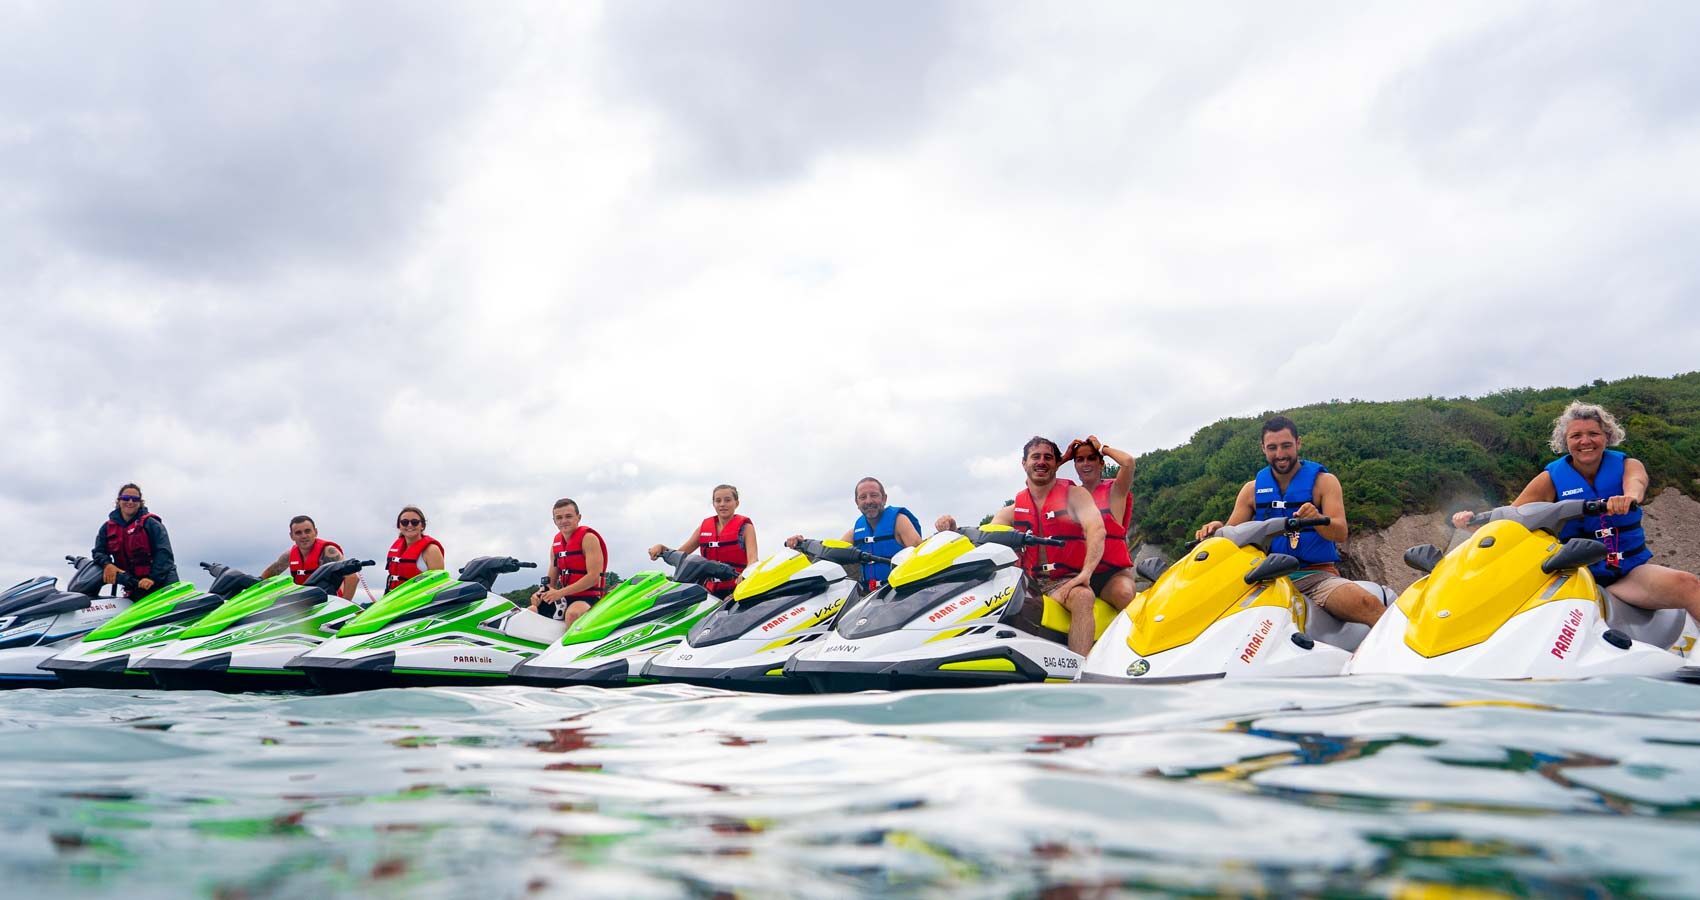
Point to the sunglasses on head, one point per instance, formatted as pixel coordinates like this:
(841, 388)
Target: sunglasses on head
(409, 522)
(129, 498)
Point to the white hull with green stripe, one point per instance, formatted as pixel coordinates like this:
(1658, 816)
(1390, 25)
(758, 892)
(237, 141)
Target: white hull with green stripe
(433, 629)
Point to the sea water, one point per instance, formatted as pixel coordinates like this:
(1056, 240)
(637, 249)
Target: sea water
(1345, 786)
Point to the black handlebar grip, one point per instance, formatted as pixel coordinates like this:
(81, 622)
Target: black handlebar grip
(1049, 542)
(207, 565)
(1311, 522)
(528, 565)
(1598, 507)
(366, 562)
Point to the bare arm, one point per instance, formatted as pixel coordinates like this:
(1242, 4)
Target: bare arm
(1540, 489)
(1085, 511)
(1330, 501)
(1123, 484)
(749, 536)
(1244, 510)
(906, 533)
(332, 554)
(279, 564)
(432, 558)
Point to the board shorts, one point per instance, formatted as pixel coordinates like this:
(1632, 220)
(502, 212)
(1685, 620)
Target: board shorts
(1102, 579)
(1319, 584)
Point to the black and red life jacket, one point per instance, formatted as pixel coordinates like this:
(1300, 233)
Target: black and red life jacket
(723, 545)
(403, 560)
(568, 554)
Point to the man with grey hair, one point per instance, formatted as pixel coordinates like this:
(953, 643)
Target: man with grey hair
(881, 530)
(1590, 471)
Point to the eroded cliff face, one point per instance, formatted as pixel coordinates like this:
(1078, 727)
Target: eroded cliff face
(1671, 519)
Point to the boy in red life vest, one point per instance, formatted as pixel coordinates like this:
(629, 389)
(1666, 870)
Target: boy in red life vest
(578, 562)
(723, 537)
(1054, 507)
(413, 552)
(133, 547)
(307, 554)
(1113, 580)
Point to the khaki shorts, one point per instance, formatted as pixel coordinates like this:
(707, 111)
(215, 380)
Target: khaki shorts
(1320, 585)
(1049, 586)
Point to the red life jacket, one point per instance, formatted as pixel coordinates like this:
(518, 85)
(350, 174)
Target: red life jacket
(1052, 521)
(725, 546)
(300, 568)
(1115, 533)
(130, 546)
(403, 561)
(568, 554)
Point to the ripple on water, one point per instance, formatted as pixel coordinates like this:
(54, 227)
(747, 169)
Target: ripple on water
(1336, 785)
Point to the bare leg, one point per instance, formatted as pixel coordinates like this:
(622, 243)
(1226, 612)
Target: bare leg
(1350, 603)
(578, 608)
(1119, 590)
(1080, 624)
(1659, 587)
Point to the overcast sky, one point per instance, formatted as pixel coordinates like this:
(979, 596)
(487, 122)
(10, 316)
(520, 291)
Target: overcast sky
(267, 259)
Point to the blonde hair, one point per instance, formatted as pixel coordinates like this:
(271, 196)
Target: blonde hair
(1592, 412)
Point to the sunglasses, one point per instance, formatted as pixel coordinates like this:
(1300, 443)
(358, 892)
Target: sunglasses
(127, 498)
(409, 522)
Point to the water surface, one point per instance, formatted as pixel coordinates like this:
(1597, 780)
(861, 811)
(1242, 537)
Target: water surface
(1361, 786)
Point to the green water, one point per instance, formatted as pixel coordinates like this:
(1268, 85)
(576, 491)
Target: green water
(1344, 787)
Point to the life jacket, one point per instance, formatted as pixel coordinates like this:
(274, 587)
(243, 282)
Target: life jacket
(129, 543)
(880, 539)
(300, 568)
(568, 554)
(1274, 503)
(1626, 543)
(403, 560)
(1116, 555)
(725, 546)
(1051, 521)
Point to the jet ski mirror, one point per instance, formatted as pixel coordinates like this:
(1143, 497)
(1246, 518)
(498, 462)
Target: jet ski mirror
(1150, 568)
(1423, 557)
(1576, 553)
(1273, 566)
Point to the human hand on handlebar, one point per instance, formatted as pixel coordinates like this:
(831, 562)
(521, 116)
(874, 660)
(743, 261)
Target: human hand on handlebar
(945, 523)
(1209, 529)
(656, 551)
(1307, 511)
(109, 574)
(1619, 505)
(1461, 518)
(145, 584)
(793, 541)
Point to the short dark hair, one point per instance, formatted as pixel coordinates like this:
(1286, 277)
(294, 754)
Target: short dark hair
(858, 488)
(1035, 441)
(1279, 423)
(299, 519)
(404, 511)
(567, 501)
(130, 486)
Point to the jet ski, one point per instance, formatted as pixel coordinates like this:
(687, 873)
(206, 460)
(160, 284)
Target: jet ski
(106, 656)
(247, 643)
(957, 611)
(784, 603)
(1512, 601)
(433, 629)
(38, 621)
(644, 615)
(1227, 609)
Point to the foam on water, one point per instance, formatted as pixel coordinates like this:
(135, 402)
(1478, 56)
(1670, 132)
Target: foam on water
(1353, 786)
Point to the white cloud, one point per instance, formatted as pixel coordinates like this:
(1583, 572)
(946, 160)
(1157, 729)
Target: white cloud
(477, 259)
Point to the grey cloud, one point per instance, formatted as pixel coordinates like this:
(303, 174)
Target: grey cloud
(202, 139)
(1479, 103)
(759, 90)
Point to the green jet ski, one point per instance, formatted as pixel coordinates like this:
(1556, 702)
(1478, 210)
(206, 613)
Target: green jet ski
(433, 629)
(107, 656)
(247, 643)
(644, 615)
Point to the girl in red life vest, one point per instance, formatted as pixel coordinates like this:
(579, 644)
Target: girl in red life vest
(578, 563)
(414, 551)
(723, 537)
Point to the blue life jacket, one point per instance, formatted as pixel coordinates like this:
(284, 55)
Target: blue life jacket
(880, 540)
(1273, 503)
(1621, 534)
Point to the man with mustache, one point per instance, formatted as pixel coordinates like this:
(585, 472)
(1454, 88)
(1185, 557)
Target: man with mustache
(881, 529)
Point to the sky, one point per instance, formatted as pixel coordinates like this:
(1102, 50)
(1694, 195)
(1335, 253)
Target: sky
(280, 258)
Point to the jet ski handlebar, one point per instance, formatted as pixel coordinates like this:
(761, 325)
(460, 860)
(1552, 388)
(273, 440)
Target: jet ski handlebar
(1297, 524)
(1598, 507)
(1012, 539)
(814, 549)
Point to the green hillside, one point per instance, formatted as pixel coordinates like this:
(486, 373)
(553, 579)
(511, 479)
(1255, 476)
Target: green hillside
(1416, 455)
